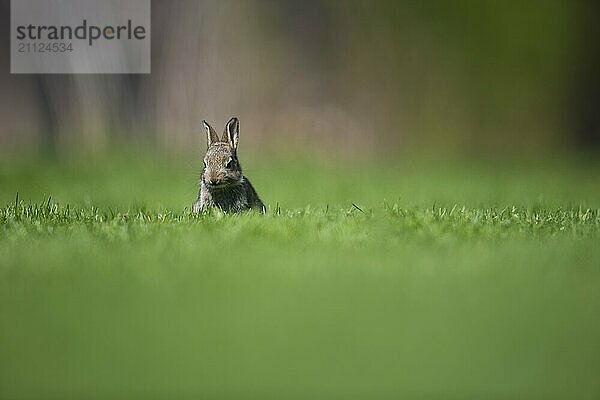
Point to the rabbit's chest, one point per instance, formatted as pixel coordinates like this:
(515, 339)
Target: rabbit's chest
(226, 200)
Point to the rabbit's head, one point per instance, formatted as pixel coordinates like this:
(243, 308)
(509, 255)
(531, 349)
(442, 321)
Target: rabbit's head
(221, 165)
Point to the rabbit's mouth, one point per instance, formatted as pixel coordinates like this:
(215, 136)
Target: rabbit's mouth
(220, 184)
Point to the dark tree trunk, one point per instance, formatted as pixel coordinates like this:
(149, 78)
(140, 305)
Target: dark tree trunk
(586, 102)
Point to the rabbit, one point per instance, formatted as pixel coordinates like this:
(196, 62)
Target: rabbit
(222, 183)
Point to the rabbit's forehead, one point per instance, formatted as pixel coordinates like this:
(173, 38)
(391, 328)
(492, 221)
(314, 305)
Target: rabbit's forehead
(218, 152)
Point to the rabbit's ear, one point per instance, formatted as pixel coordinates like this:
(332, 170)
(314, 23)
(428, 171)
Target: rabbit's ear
(232, 132)
(211, 135)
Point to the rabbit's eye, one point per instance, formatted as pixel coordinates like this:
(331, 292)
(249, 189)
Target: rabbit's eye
(230, 163)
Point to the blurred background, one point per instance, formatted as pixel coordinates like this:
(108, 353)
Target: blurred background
(339, 77)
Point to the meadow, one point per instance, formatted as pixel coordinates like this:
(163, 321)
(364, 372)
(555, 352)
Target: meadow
(421, 278)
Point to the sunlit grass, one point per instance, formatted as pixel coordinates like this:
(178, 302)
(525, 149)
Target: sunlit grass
(365, 282)
(328, 224)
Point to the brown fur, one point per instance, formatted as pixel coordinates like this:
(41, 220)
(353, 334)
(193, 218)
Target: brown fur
(222, 183)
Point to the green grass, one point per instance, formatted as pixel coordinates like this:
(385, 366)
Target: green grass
(443, 280)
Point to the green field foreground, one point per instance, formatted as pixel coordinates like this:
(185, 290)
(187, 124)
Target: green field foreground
(454, 281)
